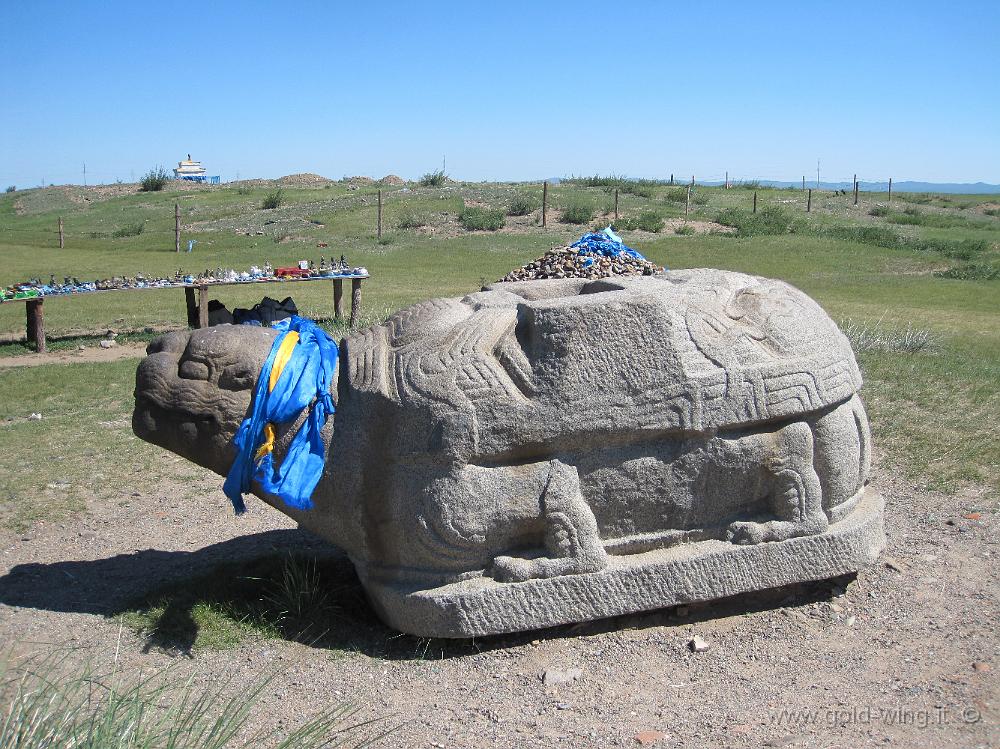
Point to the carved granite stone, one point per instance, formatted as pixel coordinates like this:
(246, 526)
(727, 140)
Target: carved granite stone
(546, 452)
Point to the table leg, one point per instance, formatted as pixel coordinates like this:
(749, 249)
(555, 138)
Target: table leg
(338, 298)
(202, 306)
(355, 300)
(36, 324)
(192, 307)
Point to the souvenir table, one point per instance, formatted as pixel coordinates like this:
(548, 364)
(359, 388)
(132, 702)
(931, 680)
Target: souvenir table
(197, 306)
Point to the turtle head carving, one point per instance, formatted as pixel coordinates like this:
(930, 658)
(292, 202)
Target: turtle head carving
(193, 389)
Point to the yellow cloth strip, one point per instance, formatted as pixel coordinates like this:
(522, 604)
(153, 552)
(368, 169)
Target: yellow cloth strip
(288, 344)
(268, 444)
(284, 354)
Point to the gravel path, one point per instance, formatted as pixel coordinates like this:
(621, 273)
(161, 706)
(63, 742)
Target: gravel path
(907, 655)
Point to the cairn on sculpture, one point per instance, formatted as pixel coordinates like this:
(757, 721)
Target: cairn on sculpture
(545, 452)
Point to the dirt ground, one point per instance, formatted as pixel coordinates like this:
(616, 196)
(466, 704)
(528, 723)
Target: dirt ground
(92, 353)
(906, 656)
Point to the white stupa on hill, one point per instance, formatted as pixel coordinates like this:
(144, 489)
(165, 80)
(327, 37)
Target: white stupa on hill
(193, 171)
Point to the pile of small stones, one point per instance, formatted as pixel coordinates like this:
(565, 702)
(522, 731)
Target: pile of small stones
(567, 262)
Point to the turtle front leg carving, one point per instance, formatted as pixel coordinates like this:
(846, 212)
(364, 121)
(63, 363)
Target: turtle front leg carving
(796, 495)
(571, 536)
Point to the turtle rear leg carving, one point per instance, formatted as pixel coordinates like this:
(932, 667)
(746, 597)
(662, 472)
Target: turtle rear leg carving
(796, 496)
(571, 535)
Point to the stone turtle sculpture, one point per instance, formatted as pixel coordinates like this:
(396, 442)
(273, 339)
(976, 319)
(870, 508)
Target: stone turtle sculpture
(545, 452)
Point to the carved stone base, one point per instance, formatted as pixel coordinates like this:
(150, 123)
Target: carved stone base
(701, 571)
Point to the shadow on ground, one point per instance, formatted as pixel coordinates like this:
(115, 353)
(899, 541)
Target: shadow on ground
(289, 584)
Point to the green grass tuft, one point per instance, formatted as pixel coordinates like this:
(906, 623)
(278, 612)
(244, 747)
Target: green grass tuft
(129, 230)
(972, 272)
(769, 221)
(684, 230)
(866, 337)
(411, 219)
(475, 218)
(649, 221)
(522, 204)
(49, 703)
(578, 210)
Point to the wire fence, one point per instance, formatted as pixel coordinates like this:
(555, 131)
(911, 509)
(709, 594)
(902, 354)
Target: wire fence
(141, 223)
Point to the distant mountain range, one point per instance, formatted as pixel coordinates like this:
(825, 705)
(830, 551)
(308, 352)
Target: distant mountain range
(963, 188)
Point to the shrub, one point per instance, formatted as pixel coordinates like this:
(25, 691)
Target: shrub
(748, 184)
(434, 179)
(879, 210)
(767, 222)
(273, 200)
(650, 221)
(911, 210)
(474, 218)
(676, 195)
(577, 211)
(878, 236)
(13, 188)
(410, 219)
(154, 180)
(699, 198)
(988, 212)
(965, 249)
(521, 204)
(913, 217)
(612, 180)
(623, 223)
(244, 190)
(129, 230)
(685, 230)
(640, 188)
(972, 272)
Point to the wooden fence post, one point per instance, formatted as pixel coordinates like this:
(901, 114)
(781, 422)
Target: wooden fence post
(36, 323)
(754, 201)
(727, 180)
(855, 191)
(177, 227)
(890, 189)
(687, 203)
(545, 200)
(379, 214)
(61, 236)
(803, 184)
(616, 204)
(809, 201)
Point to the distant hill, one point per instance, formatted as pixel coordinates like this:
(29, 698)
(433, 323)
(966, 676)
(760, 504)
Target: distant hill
(962, 188)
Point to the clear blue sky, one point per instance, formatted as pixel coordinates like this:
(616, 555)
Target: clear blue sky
(505, 91)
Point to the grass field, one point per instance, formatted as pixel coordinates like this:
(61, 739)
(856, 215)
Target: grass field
(934, 410)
